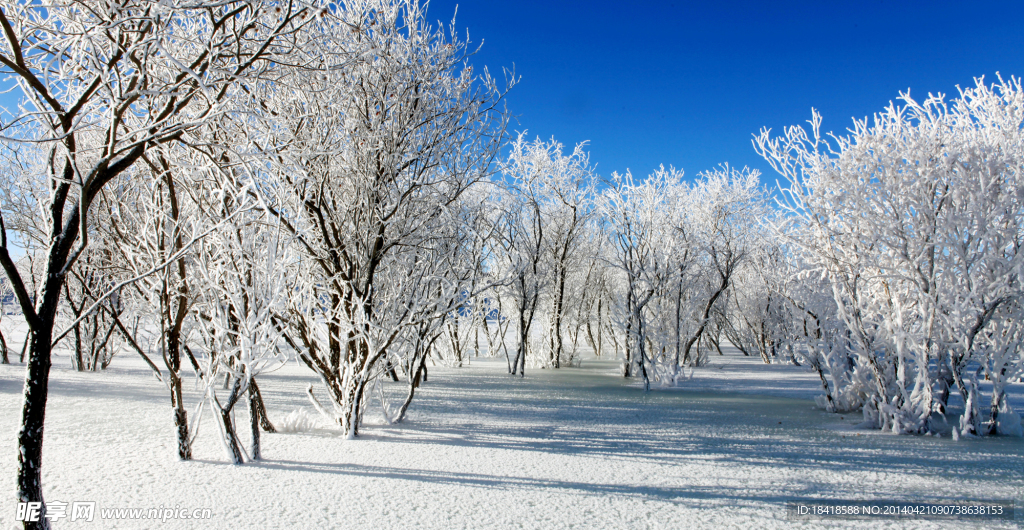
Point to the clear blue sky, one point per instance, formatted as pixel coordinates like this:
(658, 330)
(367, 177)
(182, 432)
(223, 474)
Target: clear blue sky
(688, 83)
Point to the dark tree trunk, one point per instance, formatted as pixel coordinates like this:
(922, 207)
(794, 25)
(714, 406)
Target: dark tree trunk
(628, 365)
(230, 437)
(180, 419)
(79, 364)
(24, 346)
(174, 378)
(3, 350)
(255, 406)
(357, 408)
(41, 320)
(556, 333)
(641, 351)
(825, 387)
(704, 318)
(523, 333)
(30, 436)
(228, 424)
(261, 409)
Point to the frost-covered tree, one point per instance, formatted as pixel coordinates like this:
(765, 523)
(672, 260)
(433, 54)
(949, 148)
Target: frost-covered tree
(596, 293)
(567, 191)
(154, 221)
(101, 86)
(724, 210)
(370, 145)
(546, 206)
(642, 245)
(915, 220)
(677, 247)
(245, 275)
(95, 335)
(520, 238)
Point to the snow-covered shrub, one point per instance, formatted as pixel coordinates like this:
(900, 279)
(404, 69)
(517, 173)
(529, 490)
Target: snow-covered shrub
(298, 420)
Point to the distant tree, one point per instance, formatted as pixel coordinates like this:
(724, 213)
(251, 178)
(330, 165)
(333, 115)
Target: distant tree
(546, 205)
(642, 245)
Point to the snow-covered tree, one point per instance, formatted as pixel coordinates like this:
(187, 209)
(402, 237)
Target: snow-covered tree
(642, 245)
(567, 191)
(724, 210)
(545, 208)
(244, 275)
(101, 87)
(370, 146)
(677, 247)
(916, 221)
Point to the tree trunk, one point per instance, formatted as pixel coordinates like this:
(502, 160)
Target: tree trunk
(79, 365)
(30, 436)
(24, 346)
(228, 425)
(591, 340)
(629, 340)
(418, 369)
(254, 389)
(352, 413)
(255, 416)
(556, 332)
(825, 387)
(641, 351)
(180, 418)
(230, 438)
(704, 319)
(520, 357)
(180, 415)
(679, 324)
(3, 350)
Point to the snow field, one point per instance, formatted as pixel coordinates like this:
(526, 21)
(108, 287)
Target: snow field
(572, 448)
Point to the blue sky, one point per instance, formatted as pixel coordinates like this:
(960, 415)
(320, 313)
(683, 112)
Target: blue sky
(688, 83)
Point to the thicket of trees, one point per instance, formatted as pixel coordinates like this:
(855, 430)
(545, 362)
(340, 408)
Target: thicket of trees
(914, 223)
(219, 188)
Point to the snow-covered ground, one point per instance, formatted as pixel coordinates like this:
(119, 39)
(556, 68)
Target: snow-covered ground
(570, 448)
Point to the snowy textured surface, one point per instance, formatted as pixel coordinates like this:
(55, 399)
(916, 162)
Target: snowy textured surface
(574, 448)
